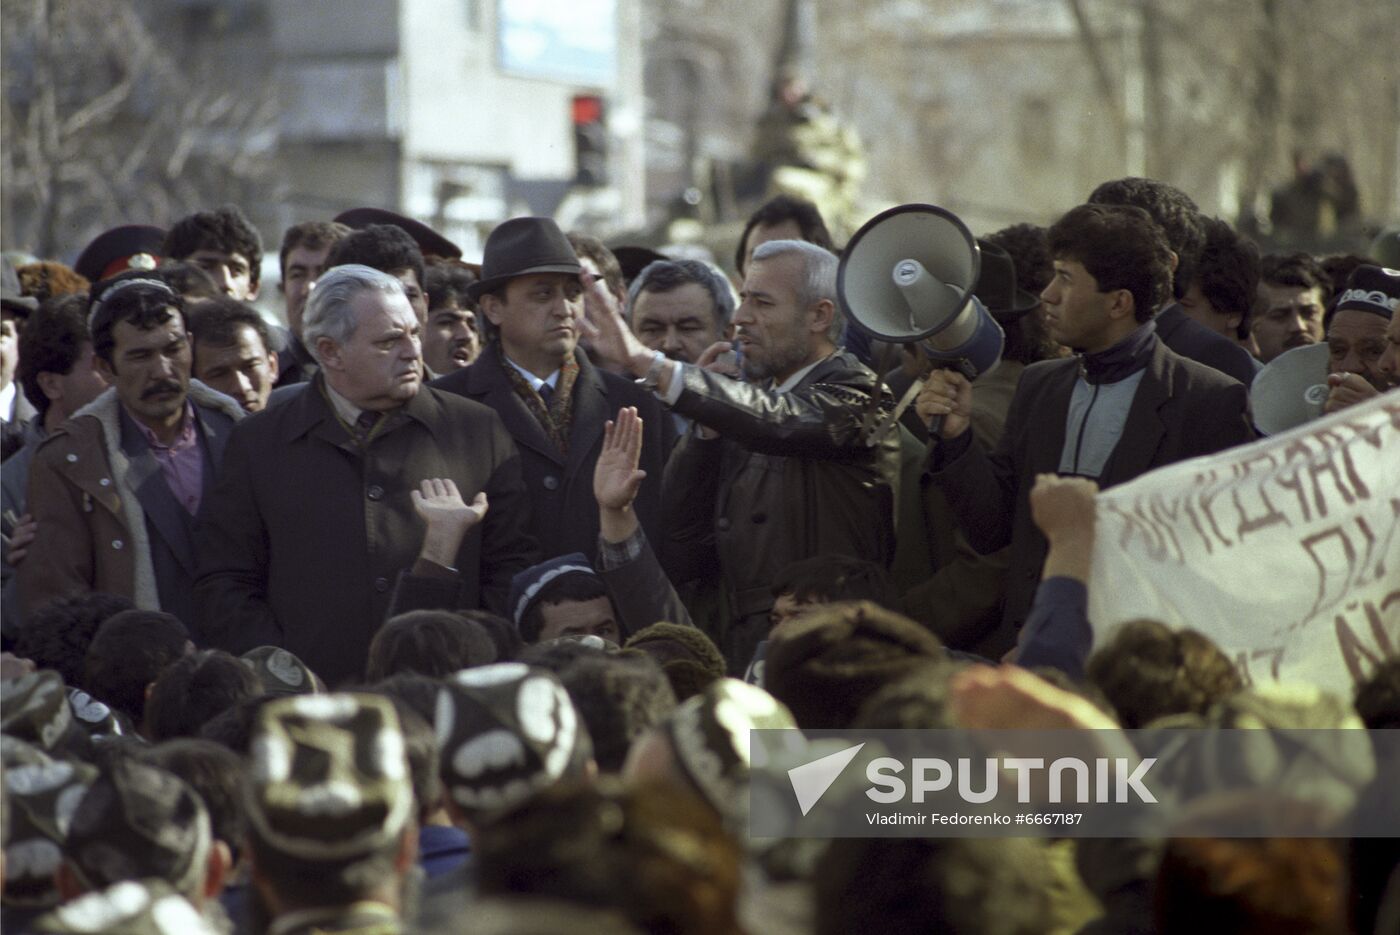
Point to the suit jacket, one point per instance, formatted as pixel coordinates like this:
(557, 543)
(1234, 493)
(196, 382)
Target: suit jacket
(564, 513)
(302, 540)
(107, 519)
(1182, 409)
(1195, 341)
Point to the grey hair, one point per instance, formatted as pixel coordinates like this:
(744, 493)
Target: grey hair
(665, 275)
(328, 307)
(819, 267)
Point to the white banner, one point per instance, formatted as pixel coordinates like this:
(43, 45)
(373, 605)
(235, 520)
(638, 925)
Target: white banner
(1286, 551)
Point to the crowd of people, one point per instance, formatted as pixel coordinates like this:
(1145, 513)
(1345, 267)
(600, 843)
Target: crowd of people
(448, 605)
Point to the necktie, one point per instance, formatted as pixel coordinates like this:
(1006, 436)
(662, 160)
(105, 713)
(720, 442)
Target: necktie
(364, 425)
(546, 394)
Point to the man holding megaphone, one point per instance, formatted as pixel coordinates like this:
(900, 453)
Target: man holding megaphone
(778, 467)
(1125, 404)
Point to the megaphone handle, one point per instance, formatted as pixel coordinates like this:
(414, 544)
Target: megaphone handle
(962, 366)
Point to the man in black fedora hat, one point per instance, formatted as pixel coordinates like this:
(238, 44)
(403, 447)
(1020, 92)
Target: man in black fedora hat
(551, 397)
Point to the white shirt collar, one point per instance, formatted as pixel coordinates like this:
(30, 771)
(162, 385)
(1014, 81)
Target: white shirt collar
(787, 385)
(535, 382)
(347, 410)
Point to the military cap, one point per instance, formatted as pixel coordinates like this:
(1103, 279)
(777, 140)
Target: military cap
(131, 907)
(505, 732)
(710, 736)
(34, 707)
(429, 241)
(43, 795)
(131, 246)
(281, 672)
(139, 821)
(328, 777)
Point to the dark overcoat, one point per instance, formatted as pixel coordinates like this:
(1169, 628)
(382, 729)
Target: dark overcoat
(306, 533)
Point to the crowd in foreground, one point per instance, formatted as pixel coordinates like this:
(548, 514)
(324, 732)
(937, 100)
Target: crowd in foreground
(450, 606)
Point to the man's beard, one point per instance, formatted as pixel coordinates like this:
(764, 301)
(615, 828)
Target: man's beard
(781, 360)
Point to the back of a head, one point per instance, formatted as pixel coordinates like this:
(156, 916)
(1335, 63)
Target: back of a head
(1122, 248)
(828, 579)
(196, 688)
(330, 797)
(225, 229)
(1030, 254)
(57, 634)
(963, 886)
(619, 697)
(915, 701)
(1243, 885)
(1228, 271)
(129, 652)
(1172, 210)
(1147, 671)
(654, 853)
(139, 821)
(689, 658)
(827, 663)
(216, 774)
(506, 732)
(428, 642)
(384, 247)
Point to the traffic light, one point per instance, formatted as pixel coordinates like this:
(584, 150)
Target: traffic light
(590, 140)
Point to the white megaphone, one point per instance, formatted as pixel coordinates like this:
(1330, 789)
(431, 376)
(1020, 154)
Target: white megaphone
(1290, 390)
(907, 276)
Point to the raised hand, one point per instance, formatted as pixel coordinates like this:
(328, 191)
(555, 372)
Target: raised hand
(616, 478)
(1063, 507)
(449, 518)
(603, 325)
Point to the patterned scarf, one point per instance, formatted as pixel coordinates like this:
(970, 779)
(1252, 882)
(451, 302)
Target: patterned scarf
(558, 416)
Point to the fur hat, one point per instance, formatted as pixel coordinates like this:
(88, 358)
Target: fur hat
(828, 662)
(689, 658)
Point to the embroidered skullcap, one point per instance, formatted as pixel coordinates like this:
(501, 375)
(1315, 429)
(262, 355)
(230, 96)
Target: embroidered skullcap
(131, 907)
(43, 795)
(526, 586)
(505, 732)
(328, 776)
(710, 736)
(139, 821)
(1371, 289)
(34, 707)
(280, 672)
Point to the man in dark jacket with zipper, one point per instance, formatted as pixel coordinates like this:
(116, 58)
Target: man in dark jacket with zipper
(777, 468)
(1124, 405)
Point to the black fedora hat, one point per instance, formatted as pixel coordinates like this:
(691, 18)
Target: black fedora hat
(996, 284)
(522, 247)
(635, 259)
(429, 241)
